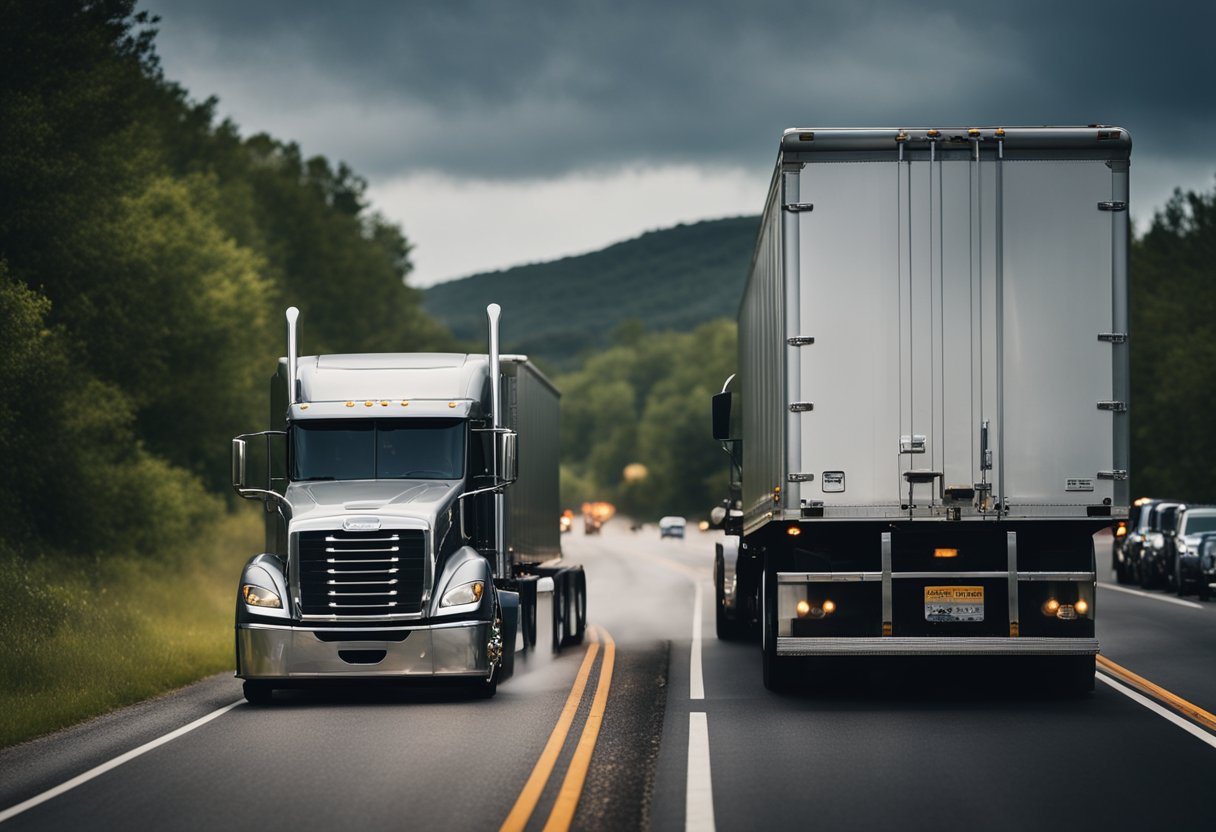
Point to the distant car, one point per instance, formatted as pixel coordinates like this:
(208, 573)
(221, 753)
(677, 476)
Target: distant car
(1204, 556)
(672, 527)
(1193, 524)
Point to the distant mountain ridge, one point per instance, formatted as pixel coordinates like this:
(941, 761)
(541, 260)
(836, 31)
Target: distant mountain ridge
(671, 279)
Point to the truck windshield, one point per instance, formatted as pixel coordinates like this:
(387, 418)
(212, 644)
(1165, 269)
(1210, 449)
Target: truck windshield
(371, 449)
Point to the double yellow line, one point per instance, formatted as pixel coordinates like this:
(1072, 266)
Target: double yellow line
(562, 814)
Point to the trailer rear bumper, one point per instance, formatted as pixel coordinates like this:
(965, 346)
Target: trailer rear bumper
(931, 646)
(267, 651)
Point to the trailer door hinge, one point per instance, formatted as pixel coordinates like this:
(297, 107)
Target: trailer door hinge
(1117, 474)
(1117, 407)
(799, 207)
(1112, 206)
(1113, 337)
(801, 407)
(800, 340)
(801, 478)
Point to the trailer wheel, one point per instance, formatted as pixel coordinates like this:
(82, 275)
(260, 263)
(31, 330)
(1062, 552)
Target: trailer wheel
(579, 603)
(258, 692)
(559, 612)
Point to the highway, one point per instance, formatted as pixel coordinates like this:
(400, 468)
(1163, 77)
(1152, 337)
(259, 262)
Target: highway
(655, 724)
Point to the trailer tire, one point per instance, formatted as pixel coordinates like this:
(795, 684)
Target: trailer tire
(726, 626)
(579, 604)
(559, 611)
(527, 623)
(258, 692)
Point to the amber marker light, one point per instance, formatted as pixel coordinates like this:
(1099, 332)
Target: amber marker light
(803, 608)
(451, 404)
(1082, 606)
(829, 607)
(1051, 607)
(793, 531)
(350, 404)
(945, 553)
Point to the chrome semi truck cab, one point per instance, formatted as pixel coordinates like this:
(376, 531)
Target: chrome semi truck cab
(387, 552)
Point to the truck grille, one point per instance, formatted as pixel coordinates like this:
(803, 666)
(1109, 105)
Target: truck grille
(362, 573)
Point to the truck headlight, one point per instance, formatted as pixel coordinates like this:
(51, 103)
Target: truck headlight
(259, 596)
(469, 593)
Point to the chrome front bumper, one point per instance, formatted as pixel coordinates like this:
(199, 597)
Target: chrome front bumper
(270, 651)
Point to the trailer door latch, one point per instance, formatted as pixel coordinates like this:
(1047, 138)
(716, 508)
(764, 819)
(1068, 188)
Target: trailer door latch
(800, 340)
(1113, 337)
(1117, 474)
(1112, 206)
(799, 207)
(801, 407)
(1116, 407)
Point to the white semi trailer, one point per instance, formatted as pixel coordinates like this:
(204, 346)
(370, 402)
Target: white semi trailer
(931, 414)
(411, 519)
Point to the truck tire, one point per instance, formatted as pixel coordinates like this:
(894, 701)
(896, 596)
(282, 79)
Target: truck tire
(580, 607)
(258, 692)
(527, 623)
(778, 672)
(726, 625)
(559, 612)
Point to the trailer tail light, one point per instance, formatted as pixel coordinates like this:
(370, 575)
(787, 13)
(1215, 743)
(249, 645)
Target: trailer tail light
(945, 553)
(1120, 529)
(1082, 606)
(793, 531)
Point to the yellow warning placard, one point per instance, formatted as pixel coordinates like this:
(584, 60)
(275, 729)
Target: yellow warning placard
(954, 603)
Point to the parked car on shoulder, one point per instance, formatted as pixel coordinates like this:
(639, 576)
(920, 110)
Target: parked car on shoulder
(671, 527)
(1193, 524)
(1205, 556)
(1154, 564)
(1127, 537)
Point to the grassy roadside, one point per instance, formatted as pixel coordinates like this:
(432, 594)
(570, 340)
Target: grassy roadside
(81, 638)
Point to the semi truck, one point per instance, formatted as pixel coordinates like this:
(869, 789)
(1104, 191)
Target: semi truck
(930, 418)
(410, 501)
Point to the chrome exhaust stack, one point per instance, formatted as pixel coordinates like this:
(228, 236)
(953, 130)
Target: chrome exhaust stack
(292, 354)
(493, 312)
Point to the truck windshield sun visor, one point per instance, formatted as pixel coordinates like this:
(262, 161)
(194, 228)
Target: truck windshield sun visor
(387, 449)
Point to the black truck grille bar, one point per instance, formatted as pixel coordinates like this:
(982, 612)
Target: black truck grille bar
(362, 573)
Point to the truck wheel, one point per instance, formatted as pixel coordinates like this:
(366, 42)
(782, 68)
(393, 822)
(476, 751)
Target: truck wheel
(1077, 674)
(777, 671)
(258, 692)
(527, 623)
(725, 625)
(580, 607)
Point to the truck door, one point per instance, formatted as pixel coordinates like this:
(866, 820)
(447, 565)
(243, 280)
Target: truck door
(1006, 318)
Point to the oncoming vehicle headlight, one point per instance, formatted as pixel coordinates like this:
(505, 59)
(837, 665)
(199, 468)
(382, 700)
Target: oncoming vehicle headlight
(258, 596)
(469, 593)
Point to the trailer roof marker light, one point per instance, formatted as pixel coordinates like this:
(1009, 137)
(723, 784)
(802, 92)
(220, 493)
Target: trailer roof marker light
(901, 136)
(350, 404)
(973, 132)
(933, 134)
(945, 553)
(367, 404)
(405, 403)
(806, 137)
(303, 407)
(1000, 132)
(384, 404)
(451, 404)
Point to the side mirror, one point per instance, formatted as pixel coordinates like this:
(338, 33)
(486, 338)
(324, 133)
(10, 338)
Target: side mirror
(506, 456)
(238, 464)
(721, 416)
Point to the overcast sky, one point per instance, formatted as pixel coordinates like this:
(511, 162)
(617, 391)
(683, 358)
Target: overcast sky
(498, 133)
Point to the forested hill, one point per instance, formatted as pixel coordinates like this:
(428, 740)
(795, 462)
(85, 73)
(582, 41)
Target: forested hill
(674, 279)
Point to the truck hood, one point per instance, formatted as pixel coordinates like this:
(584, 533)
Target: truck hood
(421, 499)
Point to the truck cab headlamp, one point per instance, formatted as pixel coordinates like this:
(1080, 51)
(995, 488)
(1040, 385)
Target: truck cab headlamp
(469, 593)
(257, 596)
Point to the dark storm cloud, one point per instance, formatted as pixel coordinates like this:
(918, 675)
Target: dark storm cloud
(501, 89)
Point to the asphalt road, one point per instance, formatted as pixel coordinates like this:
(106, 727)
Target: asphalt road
(681, 734)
